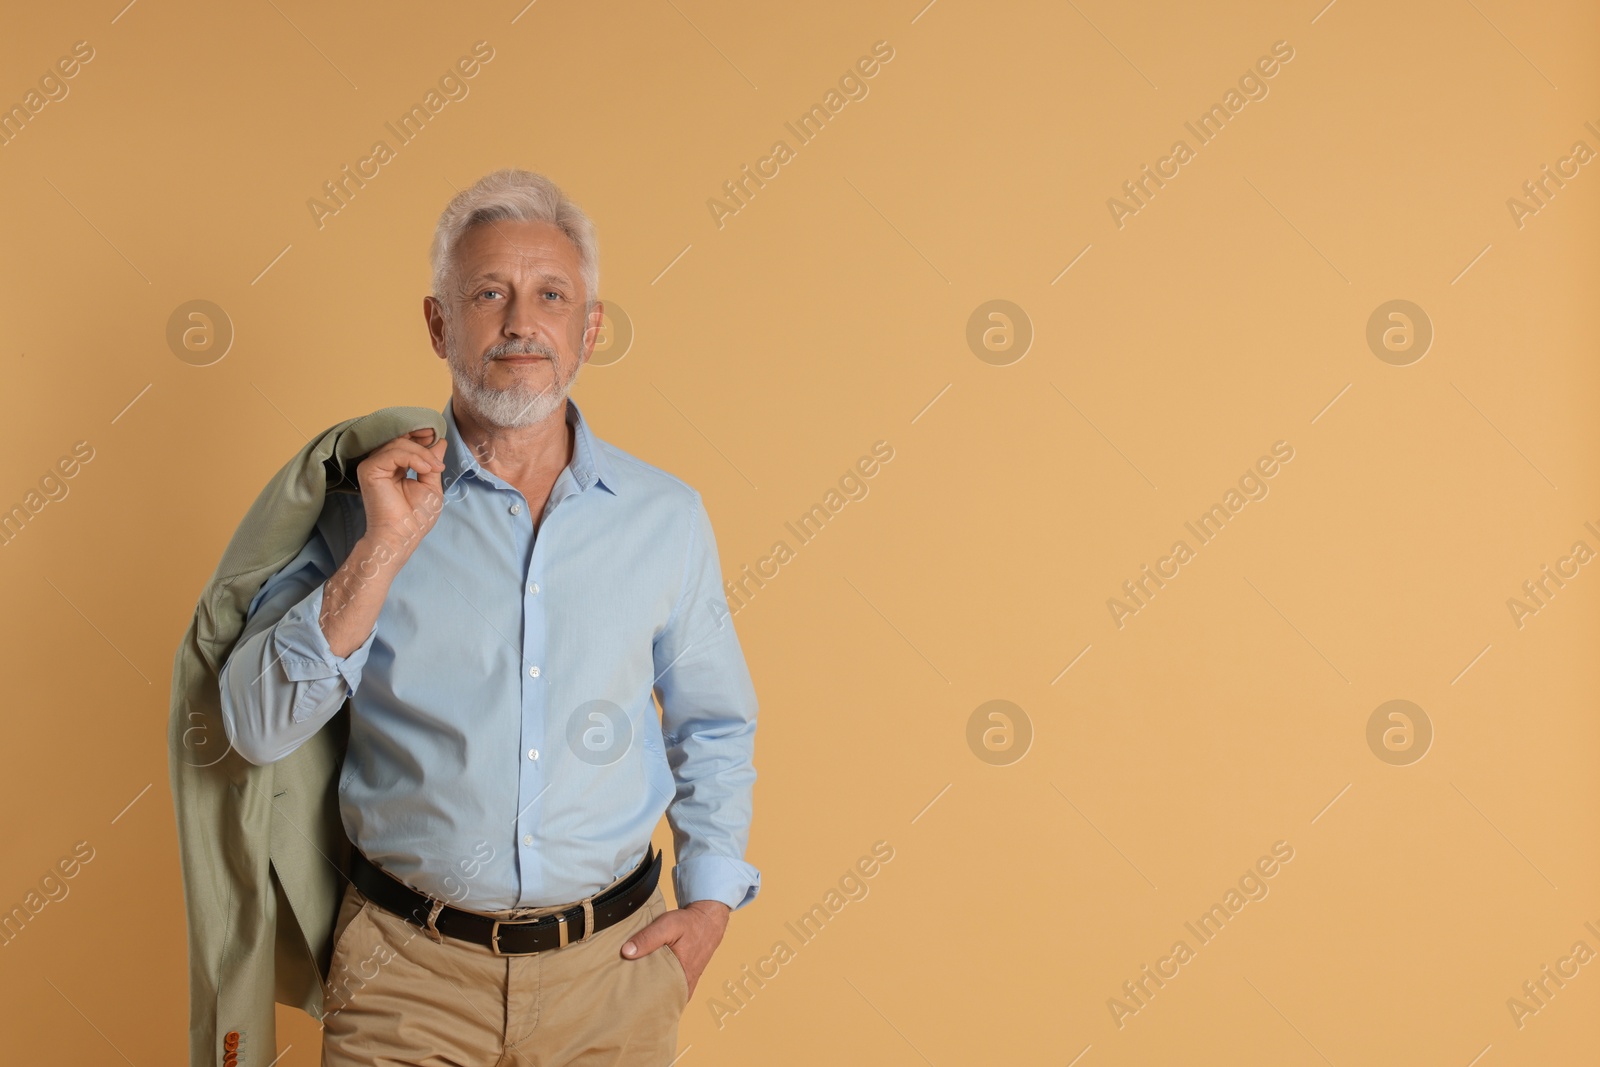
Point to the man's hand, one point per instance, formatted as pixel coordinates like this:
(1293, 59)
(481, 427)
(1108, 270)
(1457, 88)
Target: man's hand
(691, 932)
(400, 510)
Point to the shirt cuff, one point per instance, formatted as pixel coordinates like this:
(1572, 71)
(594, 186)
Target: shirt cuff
(715, 877)
(303, 648)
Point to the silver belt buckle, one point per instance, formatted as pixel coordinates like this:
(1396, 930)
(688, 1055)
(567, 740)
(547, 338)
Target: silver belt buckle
(494, 937)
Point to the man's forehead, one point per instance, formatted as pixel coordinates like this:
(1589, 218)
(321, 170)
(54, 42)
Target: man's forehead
(516, 252)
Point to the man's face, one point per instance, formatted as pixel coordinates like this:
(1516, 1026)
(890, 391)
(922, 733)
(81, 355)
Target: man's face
(515, 333)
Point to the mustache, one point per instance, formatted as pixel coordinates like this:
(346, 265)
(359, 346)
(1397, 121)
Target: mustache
(519, 348)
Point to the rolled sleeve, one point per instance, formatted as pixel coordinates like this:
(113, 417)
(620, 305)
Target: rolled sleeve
(713, 877)
(303, 650)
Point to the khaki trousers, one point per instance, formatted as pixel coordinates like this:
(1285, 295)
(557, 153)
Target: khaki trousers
(396, 998)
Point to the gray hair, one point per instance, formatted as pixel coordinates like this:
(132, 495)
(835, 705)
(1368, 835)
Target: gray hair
(522, 196)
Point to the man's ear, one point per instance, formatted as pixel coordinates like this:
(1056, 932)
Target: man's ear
(591, 331)
(433, 315)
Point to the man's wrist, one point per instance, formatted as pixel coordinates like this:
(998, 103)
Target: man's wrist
(374, 558)
(384, 545)
(715, 909)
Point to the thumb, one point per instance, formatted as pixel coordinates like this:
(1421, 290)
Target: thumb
(651, 937)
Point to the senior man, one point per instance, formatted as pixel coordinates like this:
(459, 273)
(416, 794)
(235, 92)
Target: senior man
(499, 607)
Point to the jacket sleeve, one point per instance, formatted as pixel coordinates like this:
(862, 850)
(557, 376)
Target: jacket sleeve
(282, 682)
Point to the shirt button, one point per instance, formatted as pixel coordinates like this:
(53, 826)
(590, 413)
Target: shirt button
(533, 672)
(527, 839)
(533, 587)
(516, 509)
(533, 753)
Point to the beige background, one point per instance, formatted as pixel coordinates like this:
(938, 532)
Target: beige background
(829, 313)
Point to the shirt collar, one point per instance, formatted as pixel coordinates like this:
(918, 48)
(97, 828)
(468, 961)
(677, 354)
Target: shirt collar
(589, 462)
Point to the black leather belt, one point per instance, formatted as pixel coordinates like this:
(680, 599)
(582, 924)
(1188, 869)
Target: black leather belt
(509, 937)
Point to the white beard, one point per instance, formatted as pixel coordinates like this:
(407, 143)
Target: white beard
(517, 405)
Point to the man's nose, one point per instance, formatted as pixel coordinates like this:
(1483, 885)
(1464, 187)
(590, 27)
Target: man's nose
(522, 320)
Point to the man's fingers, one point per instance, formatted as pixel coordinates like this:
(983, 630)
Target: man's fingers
(433, 479)
(403, 453)
(653, 936)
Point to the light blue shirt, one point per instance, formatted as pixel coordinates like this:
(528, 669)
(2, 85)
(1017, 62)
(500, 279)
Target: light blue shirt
(504, 747)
